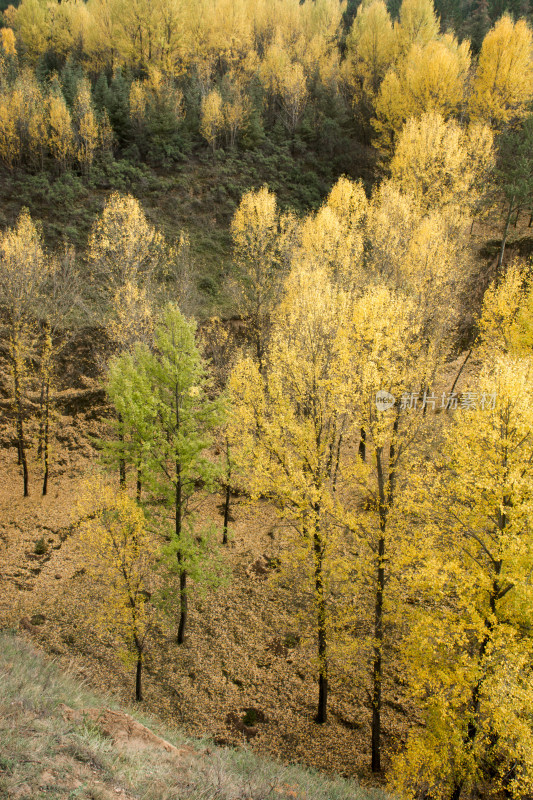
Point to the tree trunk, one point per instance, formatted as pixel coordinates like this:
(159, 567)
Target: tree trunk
(20, 427)
(139, 483)
(377, 665)
(505, 234)
(259, 350)
(179, 555)
(227, 501)
(122, 462)
(362, 445)
(456, 794)
(138, 679)
(322, 709)
(183, 605)
(385, 500)
(41, 421)
(460, 371)
(46, 454)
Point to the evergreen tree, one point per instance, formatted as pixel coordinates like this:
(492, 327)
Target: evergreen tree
(477, 24)
(514, 173)
(101, 94)
(70, 76)
(118, 108)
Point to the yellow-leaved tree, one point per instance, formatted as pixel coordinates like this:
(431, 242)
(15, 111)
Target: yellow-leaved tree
(31, 24)
(424, 253)
(285, 82)
(470, 650)
(503, 84)
(86, 126)
(212, 123)
(23, 270)
(261, 238)
(333, 238)
(290, 420)
(441, 164)
(120, 555)
(124, 252)
(418, 24)
(123, 246)
(431, 77)
(370, 53)
(60, 139)
(506, 321)
(390, 351)
(59, 302)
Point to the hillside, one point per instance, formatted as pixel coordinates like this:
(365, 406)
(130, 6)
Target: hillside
(266, 399)
(58, 740)
(250, 644)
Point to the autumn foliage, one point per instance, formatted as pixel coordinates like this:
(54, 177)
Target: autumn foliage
(323, 391)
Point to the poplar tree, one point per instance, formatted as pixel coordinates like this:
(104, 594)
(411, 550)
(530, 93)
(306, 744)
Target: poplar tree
(290, 420)
(471, 629)
(120, 555)
(23, 268)
(60, 296)
(124, 252)
(502, 86)
(385, 345)
(261, 238)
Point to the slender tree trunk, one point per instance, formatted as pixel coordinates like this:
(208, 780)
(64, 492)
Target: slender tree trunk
(138, 678)
(41, 421)
(20, 424)
(122, 462)
(46, 436)
(179, 555)
(44, 417)
(139, 483)
(259, 351)
(362, 445)
(139, 647)
(322, 709)
(460, 371)
(385, 500)
(458, 788)
(227, 501)
(377, 667)
(183, 604)
(505, 234)
(227, 496)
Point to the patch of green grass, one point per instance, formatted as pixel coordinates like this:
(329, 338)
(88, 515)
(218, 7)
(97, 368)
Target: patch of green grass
(42, 755)
(40, 547)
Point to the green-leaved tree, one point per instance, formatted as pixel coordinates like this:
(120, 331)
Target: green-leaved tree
(162, 395)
